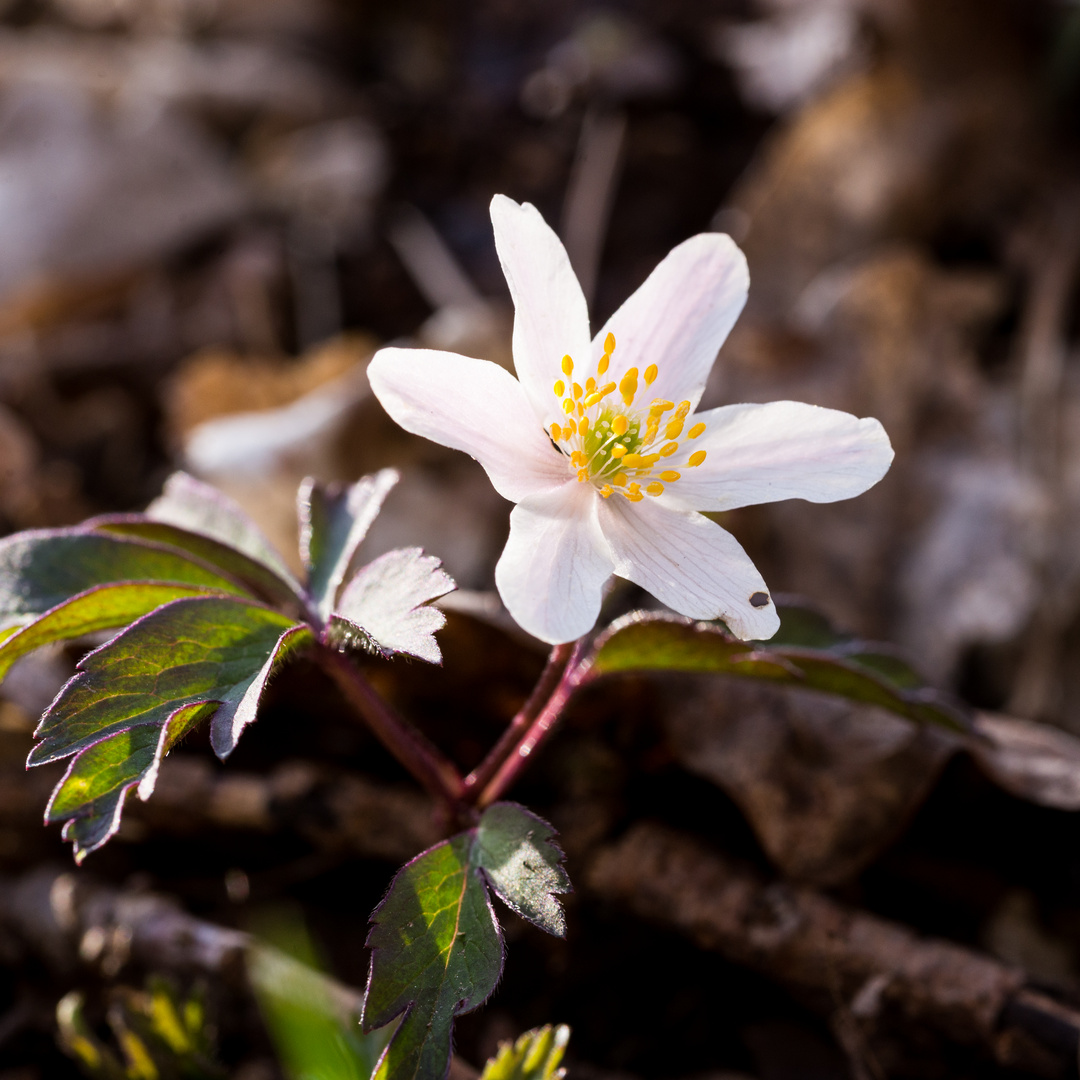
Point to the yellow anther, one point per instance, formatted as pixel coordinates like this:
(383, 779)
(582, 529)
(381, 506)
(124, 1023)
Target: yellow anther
(634, 488)
(582, 475)
(631, 461)
(578, 458)
(634, 496)
(556, 432)
(683, 410)
(651, 429)
(670, 475)
(591, 400)
(650, 374)
(668, 449)
(568, 405)
(695, 431)
(620, 425)
(583, 426)
(606, 491)
(577, 390)
(590, 385)
(659, 405)
(655, 488)
(649, 460)
(602, 367)
(568, 432)
(674, 429)
(619, 479)
(560, 388)
(630, 376)
(567, 365)
(609, 344)
(580, 409)
(696, 458)
(618, 452)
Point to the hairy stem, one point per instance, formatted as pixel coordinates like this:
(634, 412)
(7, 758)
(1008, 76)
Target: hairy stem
(425, 761)
(481, 776)
(571, 676)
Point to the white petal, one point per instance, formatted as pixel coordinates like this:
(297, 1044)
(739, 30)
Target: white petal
(688, 563)
(679, 317)
(552, 572)
(551, 318)
(470, 405)
(782, 450)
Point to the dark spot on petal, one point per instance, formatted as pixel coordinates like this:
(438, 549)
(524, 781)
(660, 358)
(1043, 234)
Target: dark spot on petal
(759, 599)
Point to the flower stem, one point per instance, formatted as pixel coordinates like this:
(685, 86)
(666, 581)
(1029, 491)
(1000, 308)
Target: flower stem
(425, 761)
(479, 778)
(528, 734)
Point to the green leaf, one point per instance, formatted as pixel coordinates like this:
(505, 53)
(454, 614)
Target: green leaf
(258, 578)
(873, 676)
(197, 507)
(534, 1056)
(333, 522)
(43, 568)
(100, 608)
(135, 697)
(523, 865)
(436, 946)
(385, 609)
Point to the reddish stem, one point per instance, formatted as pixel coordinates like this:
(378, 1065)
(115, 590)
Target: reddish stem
(481, 776)
(573, 673)
(425, 761)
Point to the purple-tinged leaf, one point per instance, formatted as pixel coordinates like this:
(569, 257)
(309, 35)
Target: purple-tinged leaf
(649, 641)
(333, 522)
(190, 504)
(436, 945)
(258, 578)
(134, 697)
(384, 607)
(523, 864)
(103, 607)
(43, 568)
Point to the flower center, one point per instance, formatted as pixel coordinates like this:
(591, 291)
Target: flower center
(612, 444)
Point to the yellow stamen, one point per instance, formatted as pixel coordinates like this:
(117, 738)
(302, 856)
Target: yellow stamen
(670, 475)
(618, 451)
(583, 426)
(560, 388)
(695, 431)
(659, 406)
(674, 429)
(583, 475)
(631, 461)
(650, 374)
(619, 479)
(602, 367)
(620, 425)
(568, 405)
(578, 459)
(568, 432)
(590, 385)
(683, 410)
(696, 458)
(651, 429)
(577, 390)
(567, 365)
(609, 344)
(556, 432)
(607, 491)
(580, 409)
(634, 496)
(668, 449)
(649, 460)
(655, 488)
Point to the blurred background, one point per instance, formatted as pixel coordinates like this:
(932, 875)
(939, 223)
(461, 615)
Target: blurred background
(212, 212)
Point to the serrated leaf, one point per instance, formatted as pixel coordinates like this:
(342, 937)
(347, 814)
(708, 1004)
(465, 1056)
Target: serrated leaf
(436, 945)
(437, 952)
(197, 507)
(100, 608)
(43, 568)
(658, 642)
(386, 604)
(536, 1055)
(523, 864)
(258, 578)
(133, 698)
(333, 522)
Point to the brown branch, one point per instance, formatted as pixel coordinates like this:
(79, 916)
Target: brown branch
(883, 972)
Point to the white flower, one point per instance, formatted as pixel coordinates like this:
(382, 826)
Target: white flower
(598, 443)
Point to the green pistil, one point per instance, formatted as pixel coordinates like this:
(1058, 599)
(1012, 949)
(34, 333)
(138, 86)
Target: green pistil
(602, 463)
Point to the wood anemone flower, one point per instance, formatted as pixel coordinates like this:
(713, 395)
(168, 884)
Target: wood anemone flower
(598, 442)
